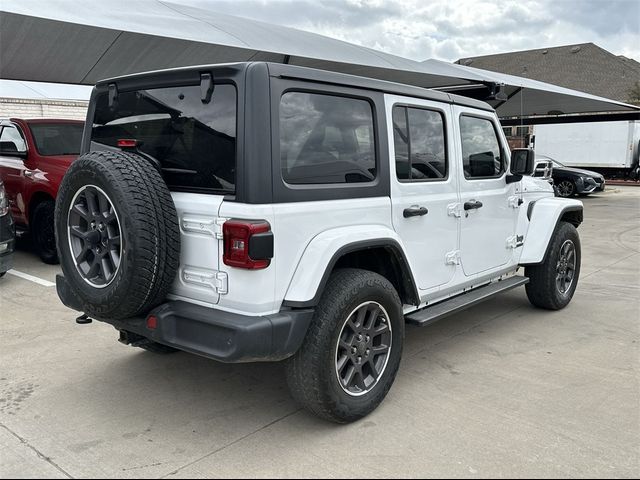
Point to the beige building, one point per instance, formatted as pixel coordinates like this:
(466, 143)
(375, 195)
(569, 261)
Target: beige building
(39, 100)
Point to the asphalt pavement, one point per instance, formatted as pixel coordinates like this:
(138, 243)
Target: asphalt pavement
(501, 390)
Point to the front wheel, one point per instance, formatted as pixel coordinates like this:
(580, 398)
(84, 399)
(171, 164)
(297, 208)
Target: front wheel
(43, 232)
(553, 282)
(352, 351)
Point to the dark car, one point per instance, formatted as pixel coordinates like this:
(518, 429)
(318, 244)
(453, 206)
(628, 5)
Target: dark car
(34, 156)
(7, 235)
(570, 181)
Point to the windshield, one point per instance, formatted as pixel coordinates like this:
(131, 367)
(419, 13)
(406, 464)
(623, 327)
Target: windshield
(194, 142)
(57, 138)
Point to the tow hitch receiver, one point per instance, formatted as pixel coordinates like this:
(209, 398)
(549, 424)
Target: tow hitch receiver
(133, 339)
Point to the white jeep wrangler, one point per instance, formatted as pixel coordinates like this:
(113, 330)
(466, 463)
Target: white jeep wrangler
(262, 212)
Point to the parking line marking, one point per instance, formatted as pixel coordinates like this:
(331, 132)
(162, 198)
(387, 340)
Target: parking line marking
(31, 278)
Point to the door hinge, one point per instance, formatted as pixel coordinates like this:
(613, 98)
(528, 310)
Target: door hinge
(453, 210)
(452, 258)
(515, 241)
(207, 226)
(210, 279)
(515, 201)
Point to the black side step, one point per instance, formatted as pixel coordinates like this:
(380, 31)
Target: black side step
(429, 315)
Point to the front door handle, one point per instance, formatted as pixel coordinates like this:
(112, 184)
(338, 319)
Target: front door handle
(472, 204)
(415, 211)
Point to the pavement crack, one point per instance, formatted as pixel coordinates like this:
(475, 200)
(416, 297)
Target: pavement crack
(210, 454)
(39, 454)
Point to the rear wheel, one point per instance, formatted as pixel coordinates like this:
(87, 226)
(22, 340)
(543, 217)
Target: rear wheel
(553, 282)
(351, 354)
(43, 231)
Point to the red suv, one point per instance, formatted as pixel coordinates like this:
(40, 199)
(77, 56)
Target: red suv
(34, 156)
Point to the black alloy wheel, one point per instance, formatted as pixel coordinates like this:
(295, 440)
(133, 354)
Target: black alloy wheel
(363, 348)
(94, 236)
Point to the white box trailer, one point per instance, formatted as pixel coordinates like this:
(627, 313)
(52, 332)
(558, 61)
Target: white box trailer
(609, 147)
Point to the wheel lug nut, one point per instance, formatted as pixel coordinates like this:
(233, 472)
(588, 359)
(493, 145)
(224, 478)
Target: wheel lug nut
(354, 350)
(367, 352)
(359, 359)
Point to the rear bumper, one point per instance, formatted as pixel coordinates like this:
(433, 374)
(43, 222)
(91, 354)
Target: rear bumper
(7, 243)
(212, 333)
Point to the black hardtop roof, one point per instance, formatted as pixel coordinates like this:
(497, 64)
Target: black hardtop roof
(191, 74)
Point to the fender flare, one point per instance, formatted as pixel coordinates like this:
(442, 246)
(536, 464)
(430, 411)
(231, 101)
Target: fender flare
(294, 299)
(544, 216)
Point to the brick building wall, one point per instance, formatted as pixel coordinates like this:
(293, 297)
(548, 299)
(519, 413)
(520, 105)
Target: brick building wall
(43, 108)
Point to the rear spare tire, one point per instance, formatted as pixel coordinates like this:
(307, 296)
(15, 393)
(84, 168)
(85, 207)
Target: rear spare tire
(117, 234)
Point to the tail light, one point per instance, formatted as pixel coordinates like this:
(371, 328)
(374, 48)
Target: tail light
(247, 244)
(127, 143)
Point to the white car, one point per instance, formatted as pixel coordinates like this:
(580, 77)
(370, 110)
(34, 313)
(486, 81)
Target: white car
(264, 212)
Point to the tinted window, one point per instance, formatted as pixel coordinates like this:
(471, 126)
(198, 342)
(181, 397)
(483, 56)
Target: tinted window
(326, 139)
(420, 147)
(481, 152)
(194, 142)
(57, 139)
(11, 140)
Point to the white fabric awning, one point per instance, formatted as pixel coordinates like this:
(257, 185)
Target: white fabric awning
(81, 42)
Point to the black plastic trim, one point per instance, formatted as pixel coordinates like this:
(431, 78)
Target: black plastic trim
(224, 336)
(261, 246)
(393, 247)
(213, 333)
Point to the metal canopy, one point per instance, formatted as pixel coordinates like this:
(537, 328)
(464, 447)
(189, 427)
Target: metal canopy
(81, 42)
(526, 97)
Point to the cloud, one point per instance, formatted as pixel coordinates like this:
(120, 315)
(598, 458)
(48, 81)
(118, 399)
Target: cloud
(448, 30)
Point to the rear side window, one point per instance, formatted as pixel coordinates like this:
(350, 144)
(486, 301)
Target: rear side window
(420, 147)
(481, 153)
(326, 139)
(194, 142)
(57, 138)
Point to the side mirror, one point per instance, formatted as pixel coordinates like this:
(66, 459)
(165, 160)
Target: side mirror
(523, 162)
(12, 152)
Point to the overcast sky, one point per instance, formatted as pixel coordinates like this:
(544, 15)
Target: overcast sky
(451, 29)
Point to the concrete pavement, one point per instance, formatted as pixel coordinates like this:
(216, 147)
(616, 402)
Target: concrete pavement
(502, 390)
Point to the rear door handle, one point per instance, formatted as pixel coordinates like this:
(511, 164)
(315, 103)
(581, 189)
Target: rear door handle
(472, 204)
(415, 211)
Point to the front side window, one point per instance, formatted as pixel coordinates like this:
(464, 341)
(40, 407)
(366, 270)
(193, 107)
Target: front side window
(420, 147)
(57, 138)
(11, 140)
(326, 139)
(481, 153)
(194, 142)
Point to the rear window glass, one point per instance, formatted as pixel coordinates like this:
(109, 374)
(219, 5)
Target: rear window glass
(326, 139)
(194, 142)
(57, 139)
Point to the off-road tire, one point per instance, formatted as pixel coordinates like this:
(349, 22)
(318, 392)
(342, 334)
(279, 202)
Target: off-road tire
(311, 372)
(150, 234)
(542, 289)
(42, 232)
